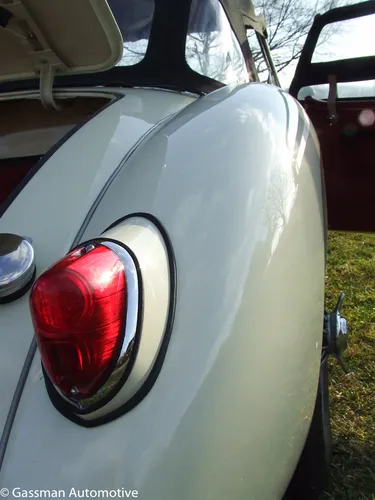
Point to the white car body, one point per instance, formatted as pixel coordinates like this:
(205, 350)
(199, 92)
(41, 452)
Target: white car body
(250, 261)
(234, 179)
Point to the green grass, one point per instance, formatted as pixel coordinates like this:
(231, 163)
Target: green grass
(351, 269)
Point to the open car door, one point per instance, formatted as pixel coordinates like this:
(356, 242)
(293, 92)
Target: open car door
(338, 93)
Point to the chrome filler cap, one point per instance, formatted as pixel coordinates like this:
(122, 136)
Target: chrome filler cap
(17, 266)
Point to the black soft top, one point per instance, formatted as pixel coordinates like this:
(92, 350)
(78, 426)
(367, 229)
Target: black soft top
(164, 64)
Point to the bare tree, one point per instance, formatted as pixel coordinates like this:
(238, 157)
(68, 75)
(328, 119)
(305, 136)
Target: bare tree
(288, 22)
(133, 53)
(206, 54)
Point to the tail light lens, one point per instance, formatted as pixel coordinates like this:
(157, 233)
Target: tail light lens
(103, 317)
(78, 309)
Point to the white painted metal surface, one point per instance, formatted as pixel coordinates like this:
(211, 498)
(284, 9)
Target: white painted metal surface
(236, 183)
(145, 240)
(53, 205)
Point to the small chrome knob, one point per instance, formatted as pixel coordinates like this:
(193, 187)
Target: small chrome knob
(342, 336)
(17, 266)
(336, 333)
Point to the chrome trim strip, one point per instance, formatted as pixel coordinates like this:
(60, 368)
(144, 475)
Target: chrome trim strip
(131, 322)
(132, 291)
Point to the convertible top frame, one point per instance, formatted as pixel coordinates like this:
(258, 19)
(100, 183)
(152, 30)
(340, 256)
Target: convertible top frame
(347, 70)
(164, 64)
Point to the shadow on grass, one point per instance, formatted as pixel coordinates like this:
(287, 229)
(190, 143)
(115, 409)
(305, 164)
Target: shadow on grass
(353, 471)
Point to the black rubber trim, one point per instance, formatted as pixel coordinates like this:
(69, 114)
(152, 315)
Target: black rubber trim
(103, 192)
(15, 401)
(63, 405)
(6, 204)
(66, 409)
(19, 293)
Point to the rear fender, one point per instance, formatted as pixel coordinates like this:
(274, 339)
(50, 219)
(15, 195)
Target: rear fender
(235, 181)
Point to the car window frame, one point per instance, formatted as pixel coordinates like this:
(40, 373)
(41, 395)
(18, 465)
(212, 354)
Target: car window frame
(266, 54)
(345, 70)
(244, 51)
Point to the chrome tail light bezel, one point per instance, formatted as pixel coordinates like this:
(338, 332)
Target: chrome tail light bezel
(104, 407)
(122, 365)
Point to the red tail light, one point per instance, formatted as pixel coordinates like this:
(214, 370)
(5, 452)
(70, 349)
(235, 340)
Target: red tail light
(103, 317)
(79, 308)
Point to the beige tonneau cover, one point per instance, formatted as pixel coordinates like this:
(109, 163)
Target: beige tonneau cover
(48, 37)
